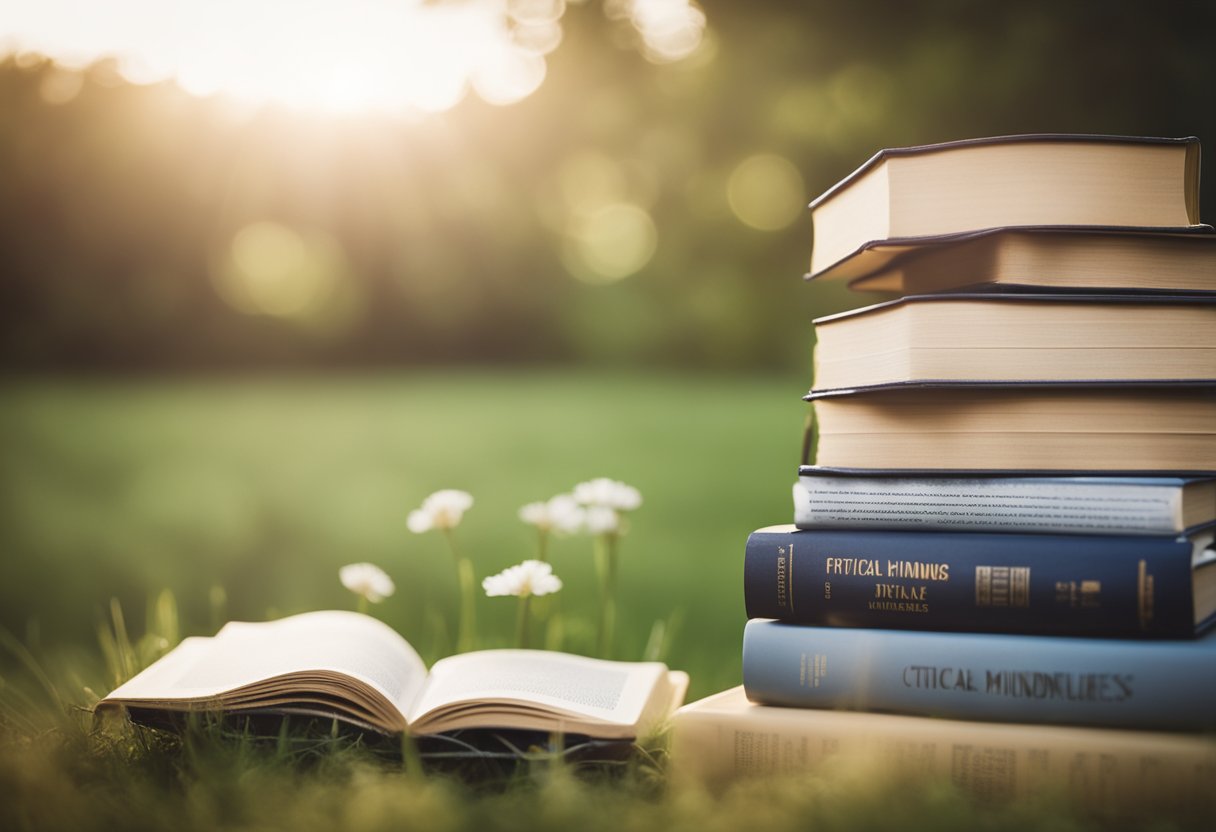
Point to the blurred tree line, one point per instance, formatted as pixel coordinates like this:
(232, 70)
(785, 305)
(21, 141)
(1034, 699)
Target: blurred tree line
(142, 229)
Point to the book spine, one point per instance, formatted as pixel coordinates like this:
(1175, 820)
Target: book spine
(1118, 683)
(983, 505)
(1058, 584)
(1103, 770)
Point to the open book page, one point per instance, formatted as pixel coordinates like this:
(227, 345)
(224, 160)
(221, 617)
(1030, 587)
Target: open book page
(569, 688)
(243, 654)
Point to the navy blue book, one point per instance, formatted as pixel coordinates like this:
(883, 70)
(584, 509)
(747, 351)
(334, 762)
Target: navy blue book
(1134, 586)
(1167, 685)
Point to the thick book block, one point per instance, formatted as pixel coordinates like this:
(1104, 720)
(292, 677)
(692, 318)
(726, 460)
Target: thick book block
(1025, 338)
(1011, 583)
(1039, 259)
(1111, 505)
(1030, 180)
(724, 738)
(1165, 685)
(1154, 429)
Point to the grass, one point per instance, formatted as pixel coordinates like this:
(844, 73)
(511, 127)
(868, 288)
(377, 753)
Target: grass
(147, 511)
(244, 497)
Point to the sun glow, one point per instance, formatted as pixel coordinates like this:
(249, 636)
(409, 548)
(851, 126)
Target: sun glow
(392, 56)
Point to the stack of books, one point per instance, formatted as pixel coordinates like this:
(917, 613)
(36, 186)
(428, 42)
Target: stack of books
(1001, 568)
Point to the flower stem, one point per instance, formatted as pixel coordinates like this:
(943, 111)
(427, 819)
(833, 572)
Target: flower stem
(521, 624)
(605, 559)
(464, 574)
(542, 545)
(363, 606)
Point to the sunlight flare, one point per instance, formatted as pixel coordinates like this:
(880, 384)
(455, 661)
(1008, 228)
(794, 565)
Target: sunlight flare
(339, 57)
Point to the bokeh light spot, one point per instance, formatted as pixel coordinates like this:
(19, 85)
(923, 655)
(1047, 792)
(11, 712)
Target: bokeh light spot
(536, 11)
(670, 30)
(509, 75)
(271, 269)
(611, 243)
(766, 192)
(59, 85)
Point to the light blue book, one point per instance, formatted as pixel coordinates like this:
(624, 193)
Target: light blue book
(1006, 678)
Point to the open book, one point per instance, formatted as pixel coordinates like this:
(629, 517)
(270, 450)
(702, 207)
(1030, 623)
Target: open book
(354, 668)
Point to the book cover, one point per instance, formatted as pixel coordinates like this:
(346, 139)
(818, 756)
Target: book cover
(1164, 685)
(1003, 582)
(877, 257)
(1032, 179)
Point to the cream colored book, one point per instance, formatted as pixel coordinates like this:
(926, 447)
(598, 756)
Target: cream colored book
(1029, 180)
(1020, 338)
(1020, 428)
(1044, 258)
(354, 668)
(724, 737)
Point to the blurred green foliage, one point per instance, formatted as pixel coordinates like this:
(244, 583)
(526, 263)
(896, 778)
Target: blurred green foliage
(457, 238)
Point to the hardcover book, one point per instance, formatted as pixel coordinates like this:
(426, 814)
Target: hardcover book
(724, 737)
(1011, 583)
(357, 670)
(1154, 685)
(1110, 505)
(1048, 428)
(1018, 338)
(1031, 180)
(1041, 259)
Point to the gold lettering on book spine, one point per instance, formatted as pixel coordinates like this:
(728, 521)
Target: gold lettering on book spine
(1144, 595)
(1002, 586)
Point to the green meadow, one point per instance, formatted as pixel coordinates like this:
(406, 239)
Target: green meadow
(244, 497)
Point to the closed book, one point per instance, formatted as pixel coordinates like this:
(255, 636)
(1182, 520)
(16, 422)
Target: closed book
(1167, 685)
(1042, 259)
(970, 337)
(1028, 180)
(723, 738)
(1109, 505)
(1044, 428)
(1001, 583)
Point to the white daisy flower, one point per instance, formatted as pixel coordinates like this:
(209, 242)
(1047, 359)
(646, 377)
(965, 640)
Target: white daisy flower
(442, 510)
(602, 520)
(561, 514)
(610, 493)
(532, 577)
(367, 581)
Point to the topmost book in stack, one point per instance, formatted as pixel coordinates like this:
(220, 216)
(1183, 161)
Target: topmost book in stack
(1059, 309)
